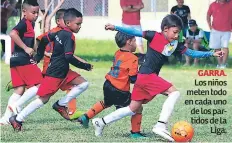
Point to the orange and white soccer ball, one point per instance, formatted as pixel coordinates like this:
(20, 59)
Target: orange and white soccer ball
(182, 131)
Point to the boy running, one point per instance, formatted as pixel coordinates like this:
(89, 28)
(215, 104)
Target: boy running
(23, 72)
(48, 53)
(58, 75)
(148, 83)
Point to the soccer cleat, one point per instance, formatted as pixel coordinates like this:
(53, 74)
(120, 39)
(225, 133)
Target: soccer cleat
(15, 124)
(136, 135)
(4, 121)
(76, 115)
(84, 120)
(99, 126)
(9, 86)
(62, 110)
(163, 132)
(14, 109)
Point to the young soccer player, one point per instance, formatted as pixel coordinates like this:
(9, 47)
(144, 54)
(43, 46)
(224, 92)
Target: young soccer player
(23, 72)
(48, 53)
(117, 85)
(58, 75)
(149, 83)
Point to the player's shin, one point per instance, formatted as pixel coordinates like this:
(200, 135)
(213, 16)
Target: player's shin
(118, 114)
(29, 109)
(136, 122)
(8, 113)
(27, 95)
(168, 106)
(74, 92)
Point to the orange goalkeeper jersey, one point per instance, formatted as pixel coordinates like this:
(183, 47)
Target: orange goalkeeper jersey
(125, 64)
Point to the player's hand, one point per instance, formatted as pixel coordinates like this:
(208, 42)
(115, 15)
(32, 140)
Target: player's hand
(33, 61)
(29, 51)
(91, 67)
(109, 27)
(219, 54)
(49, 55)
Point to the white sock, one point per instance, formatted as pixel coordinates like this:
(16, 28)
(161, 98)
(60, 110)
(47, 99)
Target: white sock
(29, 109)
(118, 114)
(168, 106)
(73, 93)
(27, 95)
(14, 97)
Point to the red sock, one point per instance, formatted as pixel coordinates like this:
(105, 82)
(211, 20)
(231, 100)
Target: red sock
(97, 108)
(136, 122)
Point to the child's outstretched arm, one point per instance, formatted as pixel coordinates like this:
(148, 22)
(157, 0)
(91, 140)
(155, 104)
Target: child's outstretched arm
(74, 60)
(80, 59)
(127, 30)
(201, 54)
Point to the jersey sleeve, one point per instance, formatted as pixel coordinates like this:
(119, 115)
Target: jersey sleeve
(210, 10)
(188, 9)
(173, 9)
(69, 45)
(122, 3)
(21, 27)
(133, 67)
(186, 34)
(148, 35)
(49, 37)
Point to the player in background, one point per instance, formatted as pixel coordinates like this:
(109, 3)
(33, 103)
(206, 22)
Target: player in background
(58, 75)
(24, 74)
(74, 113)
(149, 83)
(117, 85)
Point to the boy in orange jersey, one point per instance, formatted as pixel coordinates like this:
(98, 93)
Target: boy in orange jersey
(117, 85)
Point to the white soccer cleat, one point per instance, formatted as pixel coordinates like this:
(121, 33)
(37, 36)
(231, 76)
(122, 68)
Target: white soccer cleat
(163, 132)
(4, 121)
(15, 109)
(99, 126)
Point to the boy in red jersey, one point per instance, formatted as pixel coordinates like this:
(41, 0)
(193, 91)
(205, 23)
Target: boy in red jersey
(58, 75)
(20, 66)
(149, 83)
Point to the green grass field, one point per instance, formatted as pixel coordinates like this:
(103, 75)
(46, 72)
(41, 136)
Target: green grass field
(46, 125)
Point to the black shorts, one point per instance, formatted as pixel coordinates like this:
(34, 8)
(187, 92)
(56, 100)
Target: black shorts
(114, 96)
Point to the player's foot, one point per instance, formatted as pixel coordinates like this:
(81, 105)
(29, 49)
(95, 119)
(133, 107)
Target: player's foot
(15, 109)
(136, 135)
(17, 125)
(9, 86)
(163, 132)
(62, 110)
(98, 125)
(84, 120)
(4, 121)
(76, 115)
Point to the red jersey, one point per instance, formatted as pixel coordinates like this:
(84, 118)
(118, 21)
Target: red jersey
(125, 64)
(49, 48)
(130, 18)
(222, 16)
